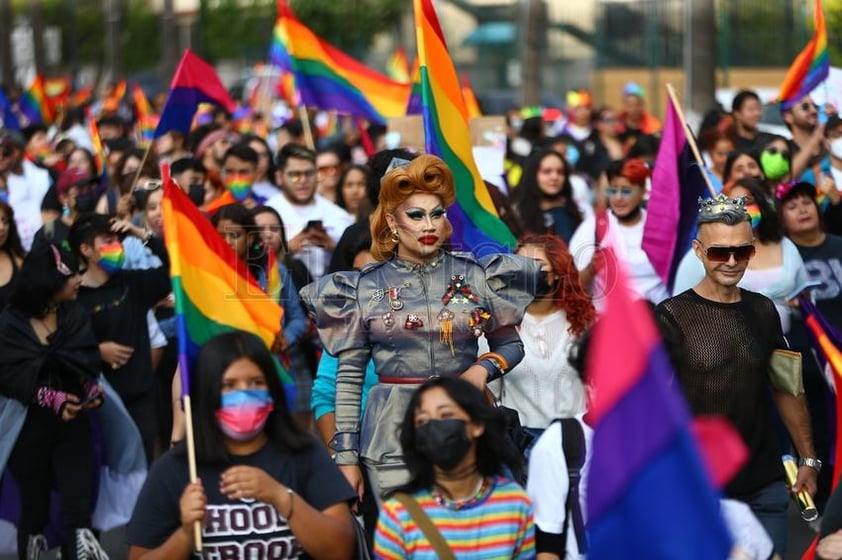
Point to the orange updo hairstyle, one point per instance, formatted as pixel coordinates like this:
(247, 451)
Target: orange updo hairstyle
(425, 174)
(569, 294)
(635, 171)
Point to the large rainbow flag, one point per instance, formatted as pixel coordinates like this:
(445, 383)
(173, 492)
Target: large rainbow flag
(327, 78)
(654, 497)
(811, 66)
(476, 225)
(214, 292)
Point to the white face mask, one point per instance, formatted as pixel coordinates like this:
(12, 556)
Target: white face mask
(836, 148)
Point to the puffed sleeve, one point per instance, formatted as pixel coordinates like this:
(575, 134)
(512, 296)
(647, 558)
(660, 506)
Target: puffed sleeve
(511, 280)
(332, 301)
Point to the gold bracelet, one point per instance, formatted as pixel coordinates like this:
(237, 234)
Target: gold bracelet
(291, 494)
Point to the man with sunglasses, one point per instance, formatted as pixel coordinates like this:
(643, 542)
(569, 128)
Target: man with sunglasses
(802, 120)
(313, 224)
(727, 337)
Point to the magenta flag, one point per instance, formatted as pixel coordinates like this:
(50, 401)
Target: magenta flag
(677, 183)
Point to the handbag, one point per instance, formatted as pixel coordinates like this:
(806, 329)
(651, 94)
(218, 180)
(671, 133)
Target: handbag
(443, 550)
(514, 429)
(362, 552)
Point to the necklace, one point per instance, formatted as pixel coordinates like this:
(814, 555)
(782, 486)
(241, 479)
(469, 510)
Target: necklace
(478, 495)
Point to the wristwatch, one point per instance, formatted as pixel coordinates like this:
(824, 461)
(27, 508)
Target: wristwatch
(810, 462)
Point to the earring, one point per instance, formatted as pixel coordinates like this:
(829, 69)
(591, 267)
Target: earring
(395, 237)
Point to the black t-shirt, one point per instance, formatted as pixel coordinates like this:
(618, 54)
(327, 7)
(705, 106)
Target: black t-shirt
(118, 311)
(237, 528)
(824, 264)
(55, 232)
(727, 349)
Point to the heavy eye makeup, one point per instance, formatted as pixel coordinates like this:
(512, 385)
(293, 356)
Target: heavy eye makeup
(418, 214)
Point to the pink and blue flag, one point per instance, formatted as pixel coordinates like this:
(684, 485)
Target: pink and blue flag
(677, 183)
(654, 498)
(194, 82)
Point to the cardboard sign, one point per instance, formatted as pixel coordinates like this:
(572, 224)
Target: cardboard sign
(406, 132)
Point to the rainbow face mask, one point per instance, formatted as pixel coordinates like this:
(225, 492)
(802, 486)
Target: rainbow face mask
(239, 185)
(753, 211)
(111, 257)
(244, 413)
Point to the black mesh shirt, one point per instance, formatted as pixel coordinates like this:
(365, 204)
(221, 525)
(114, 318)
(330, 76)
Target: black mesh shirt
(725, 351)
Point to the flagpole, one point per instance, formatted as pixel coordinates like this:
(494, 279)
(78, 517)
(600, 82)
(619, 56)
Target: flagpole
(140, 167)
(305, 123)
(191, 464)
(691, 140)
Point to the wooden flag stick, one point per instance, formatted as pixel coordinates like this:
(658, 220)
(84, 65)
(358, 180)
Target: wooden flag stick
(305, 123)
(690, 139)
(191, 462)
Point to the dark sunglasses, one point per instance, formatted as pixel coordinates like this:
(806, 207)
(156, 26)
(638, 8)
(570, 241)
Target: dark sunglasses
(723, 254)
(806, 106)
(773, 150)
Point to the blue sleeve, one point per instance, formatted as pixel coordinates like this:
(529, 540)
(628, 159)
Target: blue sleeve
(295, 321)
(323, 399)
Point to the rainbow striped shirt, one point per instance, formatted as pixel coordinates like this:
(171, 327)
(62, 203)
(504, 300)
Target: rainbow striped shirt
(500, 526)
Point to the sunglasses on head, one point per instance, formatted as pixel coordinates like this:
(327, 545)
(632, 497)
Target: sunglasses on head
(718, 254)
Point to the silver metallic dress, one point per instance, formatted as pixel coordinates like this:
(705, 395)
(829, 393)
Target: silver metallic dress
(415, 322)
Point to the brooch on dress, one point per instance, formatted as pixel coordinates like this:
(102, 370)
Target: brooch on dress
(459, 290)
(413, 321)
(478, 318)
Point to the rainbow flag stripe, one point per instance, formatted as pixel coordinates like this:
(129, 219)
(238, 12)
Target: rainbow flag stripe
(811, 66)
(476, 225)
(99, 152)
(327, 78)
(214, 292)
(414, 105)
(34, 103)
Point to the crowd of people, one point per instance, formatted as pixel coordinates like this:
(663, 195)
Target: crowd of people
(411, 357)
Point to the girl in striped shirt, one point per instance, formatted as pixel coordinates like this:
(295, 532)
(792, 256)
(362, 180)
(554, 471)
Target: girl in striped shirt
(456, 450)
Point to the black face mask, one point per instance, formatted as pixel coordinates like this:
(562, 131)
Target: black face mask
(196, 193)
(544, 287)
(443, 442)
(86, 202)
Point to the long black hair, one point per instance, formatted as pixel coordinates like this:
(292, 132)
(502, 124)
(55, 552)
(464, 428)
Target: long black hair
(256, 255)
(770, 229)
(528, 196)
(494, 450)
(44, 273)
(215, 357)
(13, 245)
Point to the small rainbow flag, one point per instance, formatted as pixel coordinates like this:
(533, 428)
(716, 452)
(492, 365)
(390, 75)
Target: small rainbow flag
(99, 152)
(82, 96)
(147, 120)
(811, 66)
(34, 103)
(327, 78)
(476, 225)
(273, 281)
(471, 103)
(214, 292)
(397, 67)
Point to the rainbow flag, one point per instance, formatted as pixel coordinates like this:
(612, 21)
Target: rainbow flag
(147, 120)
(82, 96)
(214, 292)
(827, 347)
(811, 66)
(476, 225)
(34, 103)
(99, 152)
(415, 103)
(194, 82)
(273, 277)
(327, 78)
(471, 103)
(655, 497)
(397, 68)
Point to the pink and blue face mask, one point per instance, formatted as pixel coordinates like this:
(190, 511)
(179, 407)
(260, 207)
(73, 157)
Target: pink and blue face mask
(244, 413)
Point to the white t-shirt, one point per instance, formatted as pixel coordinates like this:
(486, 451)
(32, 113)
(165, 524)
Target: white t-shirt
(26, 192)
(334, 220)
(543, 386)
(548, 484)
(627, 243)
